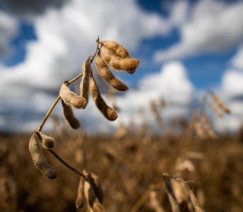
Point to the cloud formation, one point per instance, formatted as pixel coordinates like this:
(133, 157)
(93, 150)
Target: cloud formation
(8, 29)
(30, 7)
(65, 37)
(211, 26)
(237, 60)
(171, 83)
(230, 91)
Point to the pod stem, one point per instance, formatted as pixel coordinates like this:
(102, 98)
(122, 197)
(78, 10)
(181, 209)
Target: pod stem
(66, 164)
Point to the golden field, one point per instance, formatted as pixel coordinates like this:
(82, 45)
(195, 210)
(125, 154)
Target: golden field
(130, 168)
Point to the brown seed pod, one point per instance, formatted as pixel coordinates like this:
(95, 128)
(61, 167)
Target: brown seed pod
(97, 207)
(178, 192)
(47, 141)
(199, 130)
(214, 109)
(96, 184)
(39, 159)
(108, 76)
(69, 116)
(207, 126)
(84, 85)
(108, 112)
(71, 98)
(116, 48)
(80, 200)
(171, 194)
(219, 103)
(124, 64)
(92, 192)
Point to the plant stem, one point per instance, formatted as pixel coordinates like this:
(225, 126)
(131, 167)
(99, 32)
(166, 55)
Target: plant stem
(48, 113)
(68, 83)
(53, 106)
(66, 164)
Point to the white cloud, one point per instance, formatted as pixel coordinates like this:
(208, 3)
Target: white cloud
(179, 12)
(65, 37)
(237, 60)
(8, 29)
(171, 83)
(211, 26)
(232, 83)
(230, 92)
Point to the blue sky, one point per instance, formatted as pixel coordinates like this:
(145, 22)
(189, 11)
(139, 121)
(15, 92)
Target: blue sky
(44, 43)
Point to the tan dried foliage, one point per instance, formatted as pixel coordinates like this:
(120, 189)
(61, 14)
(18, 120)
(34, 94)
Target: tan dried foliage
(108, 76)
(207, 126)
(107, 111)
(71, 98)
(154, 201)
(124, 64)
(69, 116)
(121, 131)
(39, 159)
(8, 193)
(197, 126)
(155, 110)
(84, 85)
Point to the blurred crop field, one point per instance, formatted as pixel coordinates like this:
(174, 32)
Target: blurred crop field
(130, 167)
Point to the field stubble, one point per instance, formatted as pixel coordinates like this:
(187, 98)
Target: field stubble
(130, 170)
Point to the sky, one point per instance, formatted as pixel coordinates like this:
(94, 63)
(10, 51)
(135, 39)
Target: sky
(184, 47)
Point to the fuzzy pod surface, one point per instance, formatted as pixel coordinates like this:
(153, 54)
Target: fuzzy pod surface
(107, 111)
(116, 48)
(69, 116)
(39, 159)
(124, 64)
(47, 141)
(71, 98)
(84, 85)
(80, 200)
(108, 76)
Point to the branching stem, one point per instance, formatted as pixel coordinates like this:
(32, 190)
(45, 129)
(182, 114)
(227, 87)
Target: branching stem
(53, 106)
(68, 83)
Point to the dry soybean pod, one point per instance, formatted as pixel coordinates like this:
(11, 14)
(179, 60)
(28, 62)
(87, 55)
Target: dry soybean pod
(116, 48)
(97, 207)
(219, 102)
(47, 141)
(124, 64)
(39, 159)
(84, 85)
(80, 200)
(214, 109)
(71, 98)
(69, 116)
(171, 194)
(108, 76)
(108, 112)
(95, 182)
(199, 130)
(207, 126)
